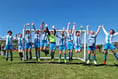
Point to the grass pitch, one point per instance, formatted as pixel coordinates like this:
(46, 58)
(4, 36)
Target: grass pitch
(46, 70)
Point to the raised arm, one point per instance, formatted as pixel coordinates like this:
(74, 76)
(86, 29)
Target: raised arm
(29, 27)
(98, 30)
(115, 34)
(42, 27)
(87, 27)
(46, 25)
(54, 30)
(68, 27)
(33, 26)
(81, 30)
(104, 30)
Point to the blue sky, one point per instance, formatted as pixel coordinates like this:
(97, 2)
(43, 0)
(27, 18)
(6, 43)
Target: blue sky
(15, 13)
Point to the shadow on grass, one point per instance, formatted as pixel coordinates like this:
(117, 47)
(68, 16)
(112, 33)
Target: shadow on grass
(84, 64)
(98, 65)
(47, 63)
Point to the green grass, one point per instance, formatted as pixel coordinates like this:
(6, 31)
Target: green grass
(77, 70)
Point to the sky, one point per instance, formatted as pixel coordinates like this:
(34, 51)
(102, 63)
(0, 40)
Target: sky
(15, 13)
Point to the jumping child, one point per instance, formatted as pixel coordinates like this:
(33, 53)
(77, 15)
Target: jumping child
(52, 40)
(8, 46)
(108, 43)
(62, 44)
(28, 41)
(37, 36)
(91, 44)
(77, 38)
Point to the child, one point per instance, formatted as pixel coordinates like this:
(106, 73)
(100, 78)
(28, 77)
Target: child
(52, 41)
(20, 45)
(62, 45)
(28, 41)
(77, 38)
(108, 43)
(37, 36)
(8, 46)
(70, 38)
(44, 40)
(91, 43)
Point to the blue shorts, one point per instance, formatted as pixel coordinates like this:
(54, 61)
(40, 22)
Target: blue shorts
(44, 43)
(62, 48)
(107, 46)
(52, 46)
(91, 48)
(78, 47)
(37, 45)
(8, 47)
(70, 45)
(20, 47)
(28, 45)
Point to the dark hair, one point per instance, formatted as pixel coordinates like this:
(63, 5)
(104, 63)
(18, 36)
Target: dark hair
(77, 31)
(19, 33)
(9, 31)
(112, 31)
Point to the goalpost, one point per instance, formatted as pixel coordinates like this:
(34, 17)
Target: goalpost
(83, 53)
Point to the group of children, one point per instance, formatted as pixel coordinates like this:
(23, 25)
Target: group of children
(70, 38)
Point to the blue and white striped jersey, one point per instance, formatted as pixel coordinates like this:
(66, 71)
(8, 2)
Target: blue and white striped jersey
(92, 40)
(8, 39)
(21, 41)
(37, 38)
(109, 38)
(44, 36)
(77, 40)
(70, 37)
(62, 40)
(28, 38)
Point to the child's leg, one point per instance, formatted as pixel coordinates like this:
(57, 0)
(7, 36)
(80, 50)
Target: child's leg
(60, 55)
(71, 54)
(11, 54)
(26, 51)
(105, 56)
(53, 52)
(116, 55)
(30, 53)
(89, 54)
(94, 55)
(7, 55)
(64, 55)
(20, 54)
(36, 53)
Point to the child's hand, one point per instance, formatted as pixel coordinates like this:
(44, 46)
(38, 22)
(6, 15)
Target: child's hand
(63, 29)
(53, 26)
(56, 30)
(40, 26)
(87, 26)
(81, 27)
(32, 24)
(74, 23)
(28, 24)
(46, 25)
(16, 35)
(68, 23)
(43, 22)
(102, 25)
(99, 26)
